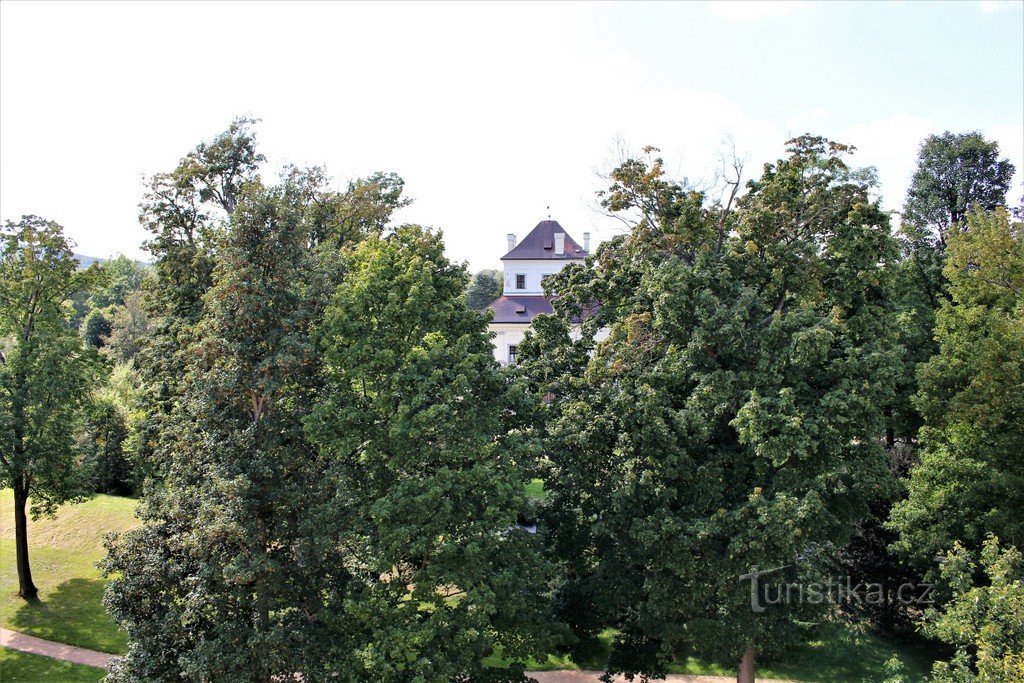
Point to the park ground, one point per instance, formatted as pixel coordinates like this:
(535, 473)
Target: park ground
(64, 552)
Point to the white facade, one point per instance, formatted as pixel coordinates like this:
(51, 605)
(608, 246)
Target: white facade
(507, 337)
(543, 252)
(529, 273)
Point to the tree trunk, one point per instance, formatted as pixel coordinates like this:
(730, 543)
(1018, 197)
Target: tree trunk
(890, 435)
(26, 589)
(746, 674)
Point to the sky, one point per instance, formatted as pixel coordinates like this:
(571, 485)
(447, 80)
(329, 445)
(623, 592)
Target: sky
(491, 112)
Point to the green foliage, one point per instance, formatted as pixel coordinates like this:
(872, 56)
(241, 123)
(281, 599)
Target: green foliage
(129, 328)
(103, 448)
(45, 373)
(96, 328)
(238, 528)
(983, 621)
(731, 420)
(424, 432)
(956, 174)
(122, 277)
(239, 572)
(970, 479)
(485, 287)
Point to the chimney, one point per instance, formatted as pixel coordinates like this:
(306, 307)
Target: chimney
(511, 241)
(586, 242)
(559, 242)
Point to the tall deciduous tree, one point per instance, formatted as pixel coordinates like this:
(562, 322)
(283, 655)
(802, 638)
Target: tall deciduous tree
(425, 433)
(956, 174)
(970, 478)
(732, 418)
(186, 211)
(46, 374)
(236, 571)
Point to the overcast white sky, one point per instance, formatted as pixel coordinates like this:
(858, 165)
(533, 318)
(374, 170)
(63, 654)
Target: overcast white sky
(490, 112)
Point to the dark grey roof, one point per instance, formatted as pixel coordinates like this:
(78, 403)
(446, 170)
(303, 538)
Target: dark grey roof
(540, 244)
(519, 309)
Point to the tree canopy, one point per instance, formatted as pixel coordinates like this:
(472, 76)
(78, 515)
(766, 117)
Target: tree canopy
(970, 479)
(730, 420)
(485, 287)
(956, 174)
(46, 374)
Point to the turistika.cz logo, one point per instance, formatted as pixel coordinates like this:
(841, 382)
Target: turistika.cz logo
(765, 593)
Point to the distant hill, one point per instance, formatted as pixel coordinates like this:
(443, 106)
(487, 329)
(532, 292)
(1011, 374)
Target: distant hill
(86, 261)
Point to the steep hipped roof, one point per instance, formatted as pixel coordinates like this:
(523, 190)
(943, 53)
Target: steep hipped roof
(540, 244)
(519, 309)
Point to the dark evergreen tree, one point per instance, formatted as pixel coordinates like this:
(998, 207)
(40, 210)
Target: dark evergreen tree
(484, 288)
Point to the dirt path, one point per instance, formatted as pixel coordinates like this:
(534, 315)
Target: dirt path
(48, 648)
(101, 660)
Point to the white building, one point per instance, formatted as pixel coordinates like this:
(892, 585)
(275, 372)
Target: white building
(545, 251)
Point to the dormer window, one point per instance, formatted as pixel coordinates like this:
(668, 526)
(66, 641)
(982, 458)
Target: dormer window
(520, 281)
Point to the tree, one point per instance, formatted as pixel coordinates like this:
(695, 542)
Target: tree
(984, 621)
(45, 375)
(485, 288)
(956, 174)
(103, 449)
(123, 276)
(129, 328)
(186, 210)
(970, 479)
(731, 420)
(235, 572)
(96, 328)
(426, 434)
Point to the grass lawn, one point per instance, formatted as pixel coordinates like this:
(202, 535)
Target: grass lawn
(535, 490)
(841, 654)
(63, 552)
(18, 666)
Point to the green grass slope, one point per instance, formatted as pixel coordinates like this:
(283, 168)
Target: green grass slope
(18, 667)
(64, 552)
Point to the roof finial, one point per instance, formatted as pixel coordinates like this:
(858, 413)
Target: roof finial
(548, 207)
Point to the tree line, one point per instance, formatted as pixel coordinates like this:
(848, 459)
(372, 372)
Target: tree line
(332, 465)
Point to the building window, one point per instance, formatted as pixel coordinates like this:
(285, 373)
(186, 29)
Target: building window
(511, 353)
(520, 281)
